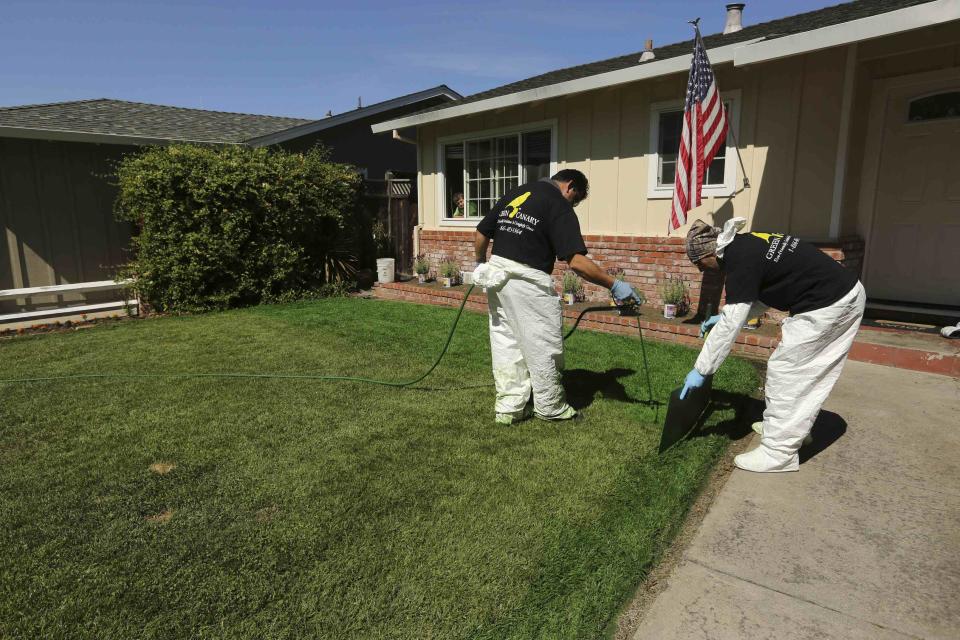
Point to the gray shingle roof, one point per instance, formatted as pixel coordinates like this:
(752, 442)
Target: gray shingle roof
(775, 28)
(134, 119)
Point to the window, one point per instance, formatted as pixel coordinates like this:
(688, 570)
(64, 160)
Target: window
(668, 148)
(478, 172)
(935, 107)
(666, 126)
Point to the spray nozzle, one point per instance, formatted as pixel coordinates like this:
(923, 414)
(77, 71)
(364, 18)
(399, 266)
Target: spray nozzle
(628, 308)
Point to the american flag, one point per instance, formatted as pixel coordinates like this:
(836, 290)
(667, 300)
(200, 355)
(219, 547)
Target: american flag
(704, 130)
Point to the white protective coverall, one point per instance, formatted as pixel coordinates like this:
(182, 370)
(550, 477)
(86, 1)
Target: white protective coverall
(800, 373)
(526, 337)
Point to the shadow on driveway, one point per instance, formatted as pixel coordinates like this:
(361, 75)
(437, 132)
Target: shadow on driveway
(828, 428)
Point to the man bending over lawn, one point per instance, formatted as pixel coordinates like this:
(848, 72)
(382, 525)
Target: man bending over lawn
(531, 226)
(825, 302)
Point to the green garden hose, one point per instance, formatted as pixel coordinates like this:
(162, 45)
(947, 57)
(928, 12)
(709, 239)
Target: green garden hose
(385, 383)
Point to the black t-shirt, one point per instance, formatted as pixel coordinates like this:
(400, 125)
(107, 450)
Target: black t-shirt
(784, 273)
(533, 225)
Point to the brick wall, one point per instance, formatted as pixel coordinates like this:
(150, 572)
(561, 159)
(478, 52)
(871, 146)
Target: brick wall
(646, 261)
(747, 343)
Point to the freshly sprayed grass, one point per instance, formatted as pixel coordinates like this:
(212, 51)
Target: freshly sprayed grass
(174, 508)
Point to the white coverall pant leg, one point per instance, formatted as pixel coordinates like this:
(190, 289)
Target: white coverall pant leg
(803, 369)
(526, 341)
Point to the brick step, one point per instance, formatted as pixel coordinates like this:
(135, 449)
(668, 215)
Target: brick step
(912, 350)
(900, 349)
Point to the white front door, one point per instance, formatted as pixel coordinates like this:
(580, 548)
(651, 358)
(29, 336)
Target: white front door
(915, 239)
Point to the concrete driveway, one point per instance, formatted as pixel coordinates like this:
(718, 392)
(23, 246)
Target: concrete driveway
(863, 542)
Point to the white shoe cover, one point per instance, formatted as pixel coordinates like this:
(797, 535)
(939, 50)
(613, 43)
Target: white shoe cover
(764, 460)
(758, 429)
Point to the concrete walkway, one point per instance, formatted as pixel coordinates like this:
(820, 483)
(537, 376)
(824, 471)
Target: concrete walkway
(863, 542)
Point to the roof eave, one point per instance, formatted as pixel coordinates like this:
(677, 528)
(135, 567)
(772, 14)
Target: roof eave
(741, 53)
(657, 68)
(351, 116)
(884, 24)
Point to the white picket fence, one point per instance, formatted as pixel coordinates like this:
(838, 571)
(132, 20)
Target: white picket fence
(79, 287)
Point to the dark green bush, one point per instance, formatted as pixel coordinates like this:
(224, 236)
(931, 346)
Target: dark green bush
(230, 226)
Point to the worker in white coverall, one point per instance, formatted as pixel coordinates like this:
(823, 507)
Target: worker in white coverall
(825, 302)
(531, 226)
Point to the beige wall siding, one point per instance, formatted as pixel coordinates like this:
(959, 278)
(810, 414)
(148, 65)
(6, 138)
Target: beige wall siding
(789, 130)
(818, 129)
(56, 213)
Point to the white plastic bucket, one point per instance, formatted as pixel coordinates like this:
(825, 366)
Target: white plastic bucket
(385, 269)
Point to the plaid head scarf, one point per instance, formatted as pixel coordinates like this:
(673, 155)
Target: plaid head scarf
(701, 240)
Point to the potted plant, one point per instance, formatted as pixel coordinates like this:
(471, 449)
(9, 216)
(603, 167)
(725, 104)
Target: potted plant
(675, 296)
(572, 287)
(617, 274)
(449, 272)
(421, 266)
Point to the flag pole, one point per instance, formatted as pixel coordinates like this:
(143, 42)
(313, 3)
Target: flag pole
(736, 144)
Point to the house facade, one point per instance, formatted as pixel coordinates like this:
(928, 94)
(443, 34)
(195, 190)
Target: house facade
(846, 120)
(61, 243)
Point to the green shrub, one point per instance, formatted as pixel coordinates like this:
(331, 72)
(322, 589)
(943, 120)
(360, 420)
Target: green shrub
(674, 291)
(449, 268)
(421, 264)
(230, 226)
(572, 283)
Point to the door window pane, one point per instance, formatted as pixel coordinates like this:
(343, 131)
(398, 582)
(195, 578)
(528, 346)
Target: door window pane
(942, 105)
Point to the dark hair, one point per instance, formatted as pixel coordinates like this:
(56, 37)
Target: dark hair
(578, 180)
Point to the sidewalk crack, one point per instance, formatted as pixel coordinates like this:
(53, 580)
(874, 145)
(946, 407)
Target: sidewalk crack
(802, 599)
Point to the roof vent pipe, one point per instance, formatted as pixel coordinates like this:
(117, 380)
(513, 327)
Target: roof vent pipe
(734, 18)
(648, 53)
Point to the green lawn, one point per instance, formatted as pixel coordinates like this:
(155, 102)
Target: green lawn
(301, 509)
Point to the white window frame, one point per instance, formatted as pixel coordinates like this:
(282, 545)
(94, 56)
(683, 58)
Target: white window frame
(655, 192)
(473, 136)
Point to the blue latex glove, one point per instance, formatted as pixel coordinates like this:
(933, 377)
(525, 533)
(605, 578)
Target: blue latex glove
(706, 325)
(622, 292)
(693, 381)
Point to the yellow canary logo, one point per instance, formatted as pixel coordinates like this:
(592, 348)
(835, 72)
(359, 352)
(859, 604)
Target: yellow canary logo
(514, 205)
(766, 236)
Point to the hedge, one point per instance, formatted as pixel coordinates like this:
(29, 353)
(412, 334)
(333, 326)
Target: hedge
(220, 227)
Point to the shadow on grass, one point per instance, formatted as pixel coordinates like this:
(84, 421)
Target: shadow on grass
(746, 411)
(583, 385)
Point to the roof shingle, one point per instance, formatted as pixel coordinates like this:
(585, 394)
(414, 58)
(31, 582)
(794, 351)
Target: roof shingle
(103, 116)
